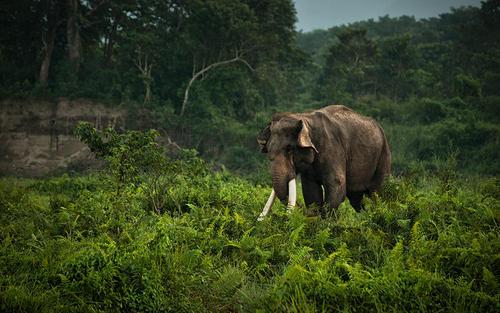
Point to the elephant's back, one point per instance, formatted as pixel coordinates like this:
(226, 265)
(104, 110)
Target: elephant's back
(337, 109)
(351, 123)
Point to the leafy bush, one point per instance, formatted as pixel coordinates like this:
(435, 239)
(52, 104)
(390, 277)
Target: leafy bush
(128, 154)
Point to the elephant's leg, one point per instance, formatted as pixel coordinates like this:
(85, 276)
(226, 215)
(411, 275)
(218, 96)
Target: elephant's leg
(313, 193)
(356, 199)
(335, 191)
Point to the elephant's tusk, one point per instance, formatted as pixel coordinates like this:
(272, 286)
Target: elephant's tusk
(292, 195)
(292, 200)
(268, 206)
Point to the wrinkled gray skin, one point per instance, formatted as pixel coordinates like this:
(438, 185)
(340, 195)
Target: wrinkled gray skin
(338, 153)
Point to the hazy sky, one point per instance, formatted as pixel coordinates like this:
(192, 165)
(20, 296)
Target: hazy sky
(314, 14)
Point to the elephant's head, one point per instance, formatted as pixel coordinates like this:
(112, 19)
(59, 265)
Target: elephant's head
(290, 148)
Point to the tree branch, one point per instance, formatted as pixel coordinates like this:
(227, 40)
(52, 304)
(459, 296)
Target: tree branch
(205, 69)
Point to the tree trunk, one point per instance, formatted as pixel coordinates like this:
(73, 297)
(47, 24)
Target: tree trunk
(73, 34)
(48, 47)
(53, 20)
(147, 85)
(145, 66)
(110, 41)
(108, 50)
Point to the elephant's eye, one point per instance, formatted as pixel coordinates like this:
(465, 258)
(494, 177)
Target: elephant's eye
(288, 148)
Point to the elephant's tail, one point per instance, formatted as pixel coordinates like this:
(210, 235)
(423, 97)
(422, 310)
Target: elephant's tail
(383, 169)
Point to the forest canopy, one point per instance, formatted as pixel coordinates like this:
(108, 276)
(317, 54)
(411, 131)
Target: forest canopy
(224, 66)
(138, 50)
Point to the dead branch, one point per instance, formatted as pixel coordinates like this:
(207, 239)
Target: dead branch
(205, 69)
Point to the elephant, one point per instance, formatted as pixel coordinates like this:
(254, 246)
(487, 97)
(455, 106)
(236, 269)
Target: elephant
(337, 152)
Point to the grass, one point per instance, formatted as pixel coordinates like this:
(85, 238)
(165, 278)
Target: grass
(190, 242)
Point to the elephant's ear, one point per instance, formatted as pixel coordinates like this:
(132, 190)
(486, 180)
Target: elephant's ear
(304, 138)
(263, 138)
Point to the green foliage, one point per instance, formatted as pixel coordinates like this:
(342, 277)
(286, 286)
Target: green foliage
(425, 243)
(425, 131)
(128, 154)
(139, 50)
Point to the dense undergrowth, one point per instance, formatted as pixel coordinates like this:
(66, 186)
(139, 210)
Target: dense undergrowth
(188, 240)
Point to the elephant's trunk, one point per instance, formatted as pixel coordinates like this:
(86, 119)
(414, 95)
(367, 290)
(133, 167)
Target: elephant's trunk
(282, 172)
(284, 184)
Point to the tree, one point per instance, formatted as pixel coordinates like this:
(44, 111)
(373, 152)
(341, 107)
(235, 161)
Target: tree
(490, 17)
(349, 66)
(51, 21)
(73, 33)
(220, 32)
(145, 65)
(137, 36)
(79, 17)
(21, 22)
(394, 62)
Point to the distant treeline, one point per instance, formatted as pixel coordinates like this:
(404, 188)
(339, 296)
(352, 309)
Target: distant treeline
(455, 54)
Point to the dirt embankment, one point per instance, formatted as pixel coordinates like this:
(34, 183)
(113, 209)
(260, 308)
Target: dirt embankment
(36, 137)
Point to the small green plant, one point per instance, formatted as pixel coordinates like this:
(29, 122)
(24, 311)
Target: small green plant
(129, 154)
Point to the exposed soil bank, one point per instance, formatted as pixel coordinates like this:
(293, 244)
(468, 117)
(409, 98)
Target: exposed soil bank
(36, 136)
